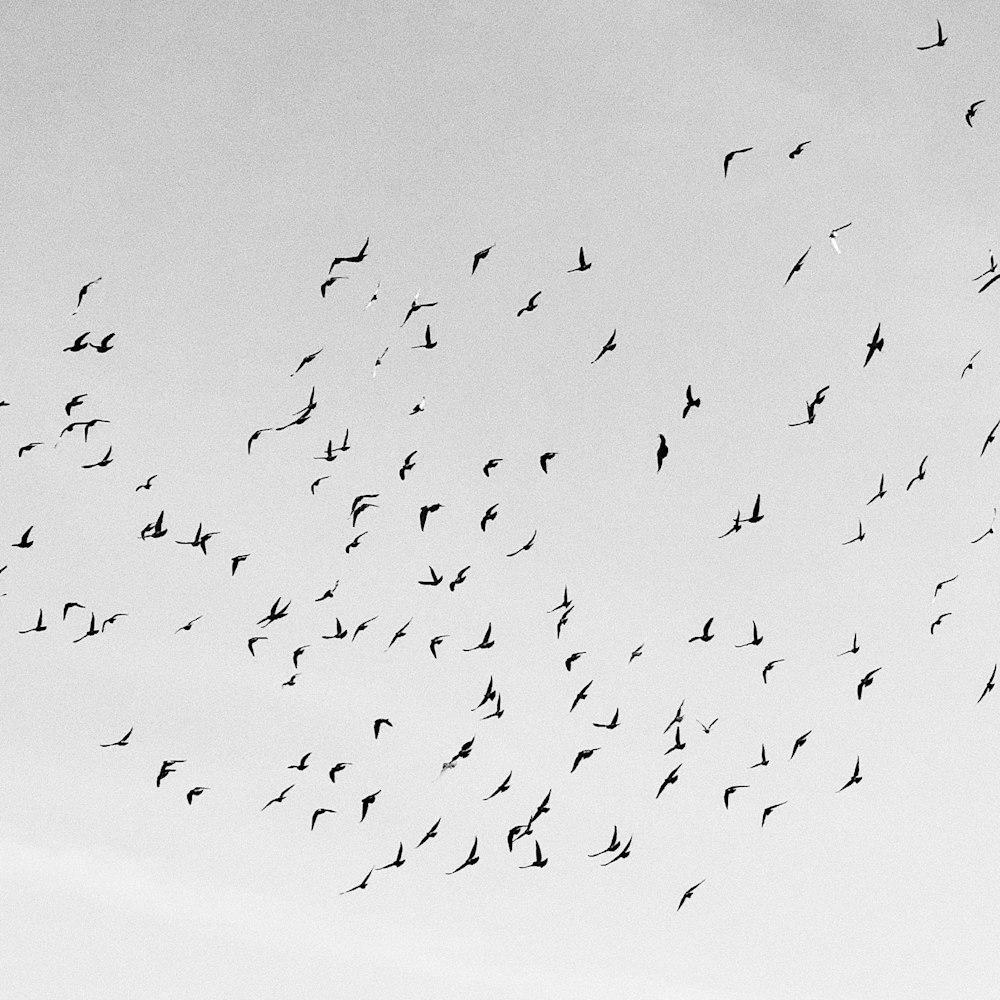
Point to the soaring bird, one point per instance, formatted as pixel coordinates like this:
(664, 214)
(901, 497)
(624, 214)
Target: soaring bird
(763, 762)
(354, 542)
(275, 613)
(531, 306)
(480, 256)
(398, 862)
(941, 39)
(39, 627)
(769, 810)
(113, 619)
(490, 515)
(337, 768)
(755, 641)
(582, 266)
(613, 724)
(992, 269)
(501, 788)
(435, 579)
(101, 463)
(881, 490)
(921, 472)
(670, 779)
(193, 793)
(866, 681)
(407, 466)
(661, 452)
(83, 291)
(937, 621)
(728, 158)
(539, 862)
(105, 344)
(363, 884)
(833, 235)
(399, 635)
(490, 465)
(581, 756)
(990, 438)
(367, 802)
(854, 648)
(485, 643)
(123, 742)
(302, 764)
(855, 779)
(316, 815)
(75, 401)
(255, 435)
(690, 402)
(146, 485)
(581, 695)
(356, 259)
(379, 723)
(705, 636)
(769, 666)
(990, 684)
(252, 640)
(416, 306)
(623, 853)
(545, 459)
(527, 545)
(968, 367)
(971, 113)
(187, 628)
(427, 344)
(608, 347)
(472, 859)
(798, 149)
(430, 834)
(736, 526)
(799, 743)
(79, 344)
(308, 359)
(859, 537)
(729, 791)
(329, 281)
(460, 578)
(951, 579)
(679, 743)
(797, 265)
(611, 848)
(167, 767)
(28, 447)
(236, 560)
(435, 642)
(875, 344)
(688, 893)
(428, 509)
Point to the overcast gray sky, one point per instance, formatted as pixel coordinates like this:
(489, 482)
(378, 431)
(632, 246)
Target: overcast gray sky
(207, 162)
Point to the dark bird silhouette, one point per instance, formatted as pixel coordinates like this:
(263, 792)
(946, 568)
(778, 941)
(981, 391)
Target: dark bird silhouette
(339, 632)
(608, 347)
(755, 515)
(572, 658)
(769, 666)
(92, 630)
(291, 681)
(623, 853)
(427, 344)
(399, 635)
(193, 793)
(941, 39)
(690, 402)
(951, 579)
(504, 786)
(316, 815)
(104, 345)
(855, 779)
(938, 620)
(407, 465)
(472, 859)
(363, 884)
(729, 791)
(146, 485)
(367, 802)
(728, 159)
(670, 779)
(79, 344)
(971, 113)
(763, 762)
(398, 862)
(545, 459)
(859, 537)
(308, 359)
(737, 524)
(433, 581)
(435, 642)
(488, 696)
(581, 695)
(539, 862)
(480, 255)
(990, 438)
(328, 455)
(770, 809)
(799, 743)
(611, 848)
(705, 636)
(167, 767)
(531, 306)
(83, 291)
(113, 619)
(676, 720)
(428, 509)
(583, 264)
(706, 729)
(187, 628)
(416, 306)
(28, 447)
(252, 640)
(855, 648)
(255, 435)
(661, 452)
(200, 540)
(688, 894)
(123, 742)
(75, 401)
(459, 578)
(329, 281)
(356, 259)
(337, 768)
(833, 235)
(979, 277)
(798, 149)
(490, 515)
(100, 464)
(524, 548)
(490, 465)
(430, 834)
(302, 764)
(66, 606)
(613, 724)
(236, 560)
(275, 613)
(362, 627)
(582, 755)
(811, 407)
(990, 684)
(881, 490)
(755, 641)
(485, 643)
(679, 743)
(39, 627)
(988, 531)
(875, 344)
(920, 473)
(418, 407)
(354, 543)
(797, 266)
(379, 724)
(315, 483)
(564, 603)
(496, 713)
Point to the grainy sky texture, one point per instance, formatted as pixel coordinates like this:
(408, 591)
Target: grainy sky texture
(207, 162)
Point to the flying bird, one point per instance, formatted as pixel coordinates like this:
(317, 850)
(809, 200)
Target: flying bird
(252, 640)
(581, 695)
(661, 452)
(427, 344)
(459, 578)
(105, 345)
(39, 627)
(968, 367)
(688, 893)
(255, 435)
(316, 815)
(799, 743)
(763, 762)
(859, 537)
(501, 788)
(75, 401)
(430, 834)
(236, 560)
(490, 465)
(545, 459)
(485, 643)
(937, 589)
(581, 756)
(435, 642)
(990, 684)
(690, 402)
(921, 472)
(728, 158)
(187, 628)
(833, 235)
(167, 767)
(941, 39)
(613, 724)
(769, 810)
(79, 344)
(798, 149)
(971, 113)
(329, 281)
(582, 266)
(356, 259)
(490, 515)
(527, 545)
(769, 666)
(797, 266)
(854, 647)
(192, 793)
(881, 490)
(101, 463)
(398, 862)
(379, 723)
(875, 344)
(755, 641)
(367, 802)
(363, 884)
(480, 256)
(308, 359)
(729, 791)
(608, 347)
(611, 848)
(531, 306)
(867, 680)
(990, 438)
(623, 853)
(855, 779)
(705, 636)
(407, 465)
(938, 620)
(736, 526)
(472, 859)
(146, 485)
(415, 306)
(354, 543)
(428, 509)
(123, 742)
(83, 291)
(670, 779)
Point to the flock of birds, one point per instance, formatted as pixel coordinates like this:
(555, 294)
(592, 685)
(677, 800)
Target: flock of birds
(490, 705)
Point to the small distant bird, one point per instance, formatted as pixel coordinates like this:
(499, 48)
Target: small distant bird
(968, 367)
(527, 545)
(545, 459)
(428, 344)
(769, 666)
(485, 643)
(990, 684)
(415, 306)
(854, 647)
(938, 620)
(623, 853)
(990, 270)
(275, 613)
(670, 779)
(83, 291)
(123, 742)
(661, 452)
(769, 810)
(797, 265)
(921, 472)
(435, 579)
(988, 531)
(315, 483)
(105, 461)
(881, 490)
(833, 235)
(146, 485)
(875, 344)
(362, 627)
(736, 526)
(855, 779)
(407, 465)
(613, 724)
(811, 408)
(378, 725)
(635, 654)
(167, 767)
(501, 788)
(435, 642)
(296, 655)
(430, 834)
(363, 884)
(187, 628)
(581, 695)
(354, 543)
(308, 359)
(92, 629)
(399, 635)
(66, 606)
(755, 641)
(459, 578)
(316, 815)
(192, 793)
(236, 560)
(679, 743)
(480, 256)
(705, 636)
(951, 579)
(378, 361)
(419, 407)
(329, 281)
(113, 619)
(252, 640)
(990, 438)
(79, 344)
(608, 347)
(356, 259)
(611, 848)
(729, 791)
(398, 862)
(255, 435)
(367, 802)
(472, 859)
(859, 537)
(971, 113)
(539, 862)
(728, 158)
(867, 680)
(490, 515)
(688, 894)
(374, 297)
(28, 447)
(105, 345)
(531, 306)
(941, 39)
(337, 768)
(564, 603)
(339, 632)
(428, 509)
(39, 627)
(690, 402)
(798, 149)
(490, 465)
(75, 401)
(581, 756)
(582, 266)
(763, 762)
(706, 729)
(799, 743)
(755, 515)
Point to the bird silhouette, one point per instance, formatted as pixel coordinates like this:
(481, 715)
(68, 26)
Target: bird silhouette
(146, 485)
(661, 452)
(79, 344)
(941, 39)
(25, 542)
(256, 434)
(990, 438)
(833, 235)
(490, 466)
(328, 282)
(337, 768)
(460, 578)
(611, 848)
(875, 344)
(435, 642)
(855, 779)
(621, 855)
(363, 884)
(797, 266)
(193, 793)
(690, 403)
(504, 786)
(583, 265)
(524, 548)
(187, 628)
(990, 684)
(435, 577)
(729, 791)
(706, 635)
(101, 463)
(581, 695)
(769, 666)
(728, 159)
(316, 815)
(83, 291)
(39, 627)
(539, 862)
(608, 347)
(397, 862)
(971, 113)
(736, 526)
(755, 641)
(407, 466)
(799, 743)
(430, 834)
(308, 359)
(859, 537)
(472, 859)
(688, 893)
(428, 509)
(167, 767)
(763, 762)
(480, 255)
(798, 149)
(920, 473)
(367, 802)
(943, 583)
(881, 490)
(415, 306)
(670, 779)
(938, 620)
(485, 643)
(581, 756)
(545, 459)
(427, 344)
(769, 810)
(531, 306)
(123, 742)
(378, 725)
(356, 259)
(354, 543)
(252, 640)
(104, 345)
(613, 724)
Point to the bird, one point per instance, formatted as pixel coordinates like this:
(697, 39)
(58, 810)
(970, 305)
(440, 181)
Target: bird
(66, 606)
(490, 515)
(728, 159)
(328, 455)
(763, 762)
(308, 359)
(200, 540)
(419, 407)
(690, 402)
(531, 306)
(705, 636)
(613, 724)
(623, 853)
(416, 306)
(572, 658)
(990, 684)
(670, 779)
(28, 447)
(729, 791)
(611, 848)
(990, 438)
(608, 347)
(581, 756)
(275, 613)
(485, 643)
(770, 665)
(316, 815)
(545, 459)
(339, 632)
(459, 578)
(407, 465)
(167, 767)
(363, 884)
(798, 149)
(736, 526)
(427, 344)
(83, 291)
(755, 641)
(988, 283)
(524, 548)
(501, 788)
(356, 259)
(811, 407)
(367, 802)
(435, 579)
(255, 435)
(472, 859)
(855, 779)
(428, 509)
(769, 810)
(539, 862)
(75, 401)
(706, 729)
(581, 695)
(941, 39)
(490, 465)
(679, 743)
(354, 543)
(302, 764)
(677, 719)
(875, 344)
(688, 893)
(968, 367)
(564, 603)
(329, 281)
(252, 640)
(938, 620)
(146, 485)
(920, 473)
(105, 344)
(833, 235)
(291, 681)
(435, 642)
(881, 490)
(971, 113)
(859, 537)
(79, 344)
(193, 792)
(337, 768)
(799, 743)
(583, 264)
(797, 266)
(39, 627)
(236, 560)
(430, 834)
(988, 531)
(488, 696)
(398, 862)
(755, 515)
(661, 452)
(374, 297)
(100, 464)
(92, 630)
(187, 628)
(113, 619)
(480, 255)
(378, 724)
(378, 360)
(123, 742)
(951, 579)
(399, 635)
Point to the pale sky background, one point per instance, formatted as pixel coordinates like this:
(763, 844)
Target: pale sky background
(208, 162)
